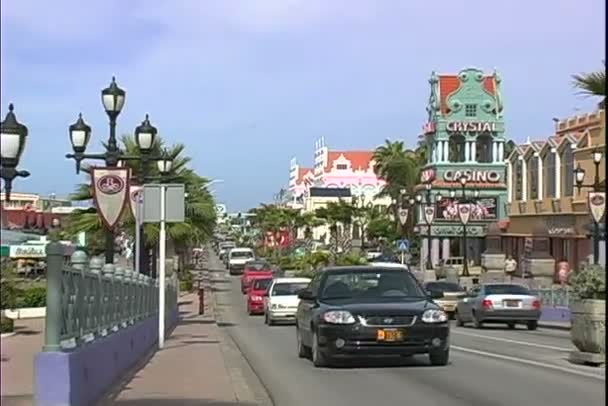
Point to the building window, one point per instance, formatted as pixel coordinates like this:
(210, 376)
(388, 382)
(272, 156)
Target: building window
(483, 149)
(549, 174)
(341, 167)
(456, 148)
(533, 177)
(518, 179)
(470, 110)
(568, 171)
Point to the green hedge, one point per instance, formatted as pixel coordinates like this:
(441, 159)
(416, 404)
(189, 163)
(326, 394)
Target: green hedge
(6, 325)
(32, 297)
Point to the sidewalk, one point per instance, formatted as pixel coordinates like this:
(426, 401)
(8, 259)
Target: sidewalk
(194, 368)
(17, 367)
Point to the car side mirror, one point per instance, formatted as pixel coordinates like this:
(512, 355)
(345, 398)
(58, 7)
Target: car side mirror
(305, 294)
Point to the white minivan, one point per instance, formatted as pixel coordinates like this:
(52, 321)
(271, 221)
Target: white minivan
(237, 258)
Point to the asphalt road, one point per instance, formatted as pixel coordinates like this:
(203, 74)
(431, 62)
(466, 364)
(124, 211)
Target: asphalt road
(489, 367)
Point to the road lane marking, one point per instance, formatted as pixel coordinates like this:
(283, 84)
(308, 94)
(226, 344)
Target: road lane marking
(508, 340)
(529, 362)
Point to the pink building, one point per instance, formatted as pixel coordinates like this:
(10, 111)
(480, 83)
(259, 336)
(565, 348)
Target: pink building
(300, 180)
(346, 169)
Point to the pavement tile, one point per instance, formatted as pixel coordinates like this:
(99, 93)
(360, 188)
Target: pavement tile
(190, 369)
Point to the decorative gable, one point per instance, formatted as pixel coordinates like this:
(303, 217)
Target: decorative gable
(470, 95)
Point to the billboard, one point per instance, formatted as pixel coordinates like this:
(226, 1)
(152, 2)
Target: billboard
(482, 209)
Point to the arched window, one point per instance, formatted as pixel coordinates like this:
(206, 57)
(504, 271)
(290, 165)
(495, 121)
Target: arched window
(533, 177)
(549, 174)
(484, 149)
(518, 179)
(568, 171)
(456, 148)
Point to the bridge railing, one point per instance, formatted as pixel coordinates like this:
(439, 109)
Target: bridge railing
(88, 300)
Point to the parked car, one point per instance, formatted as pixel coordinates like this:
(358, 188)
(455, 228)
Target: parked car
(256, 294)
(237, 258)
(499, 303)
(253, 270)
(224, 247)
(359, 311)
(457, 263)
(445, 294)
(281, 302)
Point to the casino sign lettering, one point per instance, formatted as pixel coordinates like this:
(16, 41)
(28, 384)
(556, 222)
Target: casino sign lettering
(472, 176)
(470, 126)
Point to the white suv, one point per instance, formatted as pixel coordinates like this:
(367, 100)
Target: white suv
(237, 258)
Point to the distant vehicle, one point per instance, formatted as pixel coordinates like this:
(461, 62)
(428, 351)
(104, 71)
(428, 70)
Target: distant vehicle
(445, 294)
(254, 270)
(458, 264)
(237, 258)
(499, 303)
(358, 311)
(281, 302)
(373, 254)
(223, 247)
(256, 294)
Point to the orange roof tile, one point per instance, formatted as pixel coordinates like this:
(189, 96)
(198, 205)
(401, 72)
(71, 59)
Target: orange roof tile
(448, 84)
(302, 172)
(359, 160)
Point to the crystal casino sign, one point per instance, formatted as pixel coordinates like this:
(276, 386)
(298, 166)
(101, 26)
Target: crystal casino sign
(472, 176)
(471, 126)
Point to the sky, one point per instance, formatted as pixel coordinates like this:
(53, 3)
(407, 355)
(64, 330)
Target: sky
(247, 85)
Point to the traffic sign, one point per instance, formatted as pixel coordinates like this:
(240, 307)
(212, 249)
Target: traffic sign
(404, 245)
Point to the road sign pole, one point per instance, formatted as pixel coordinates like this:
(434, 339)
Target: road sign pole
(138, 222)
(161, 272)
(402, 257)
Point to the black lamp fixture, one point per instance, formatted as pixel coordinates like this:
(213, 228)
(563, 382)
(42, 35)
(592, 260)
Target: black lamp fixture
(13, 136)
(113, 99)
(145, 136)
(164, 164)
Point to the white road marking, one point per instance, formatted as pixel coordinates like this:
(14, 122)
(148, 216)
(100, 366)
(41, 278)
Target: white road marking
(507, 340)
(530, 362)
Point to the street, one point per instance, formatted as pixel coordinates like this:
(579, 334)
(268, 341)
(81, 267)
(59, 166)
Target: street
(493, 366)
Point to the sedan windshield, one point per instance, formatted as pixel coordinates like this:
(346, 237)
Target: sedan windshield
(506, 290)
(241, 254)
(261, 284)
(371, 283)
(288, 289)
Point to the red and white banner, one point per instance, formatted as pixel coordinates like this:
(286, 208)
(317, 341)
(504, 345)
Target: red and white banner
(597, 205)
(429, 214)
(110, 193)
(135, 194)
(464, 211)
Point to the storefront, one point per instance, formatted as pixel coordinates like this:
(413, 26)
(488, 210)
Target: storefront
(569, 236)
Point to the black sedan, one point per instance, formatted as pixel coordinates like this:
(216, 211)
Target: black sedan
(359, 311)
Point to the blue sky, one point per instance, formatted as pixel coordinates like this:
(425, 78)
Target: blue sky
(246, 85)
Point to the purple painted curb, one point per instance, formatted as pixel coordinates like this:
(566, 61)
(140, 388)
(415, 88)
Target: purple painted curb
(83, 376)
(555, 314)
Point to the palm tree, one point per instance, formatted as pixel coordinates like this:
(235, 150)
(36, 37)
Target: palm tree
(400, 168)
(592, 84)
(199, 205)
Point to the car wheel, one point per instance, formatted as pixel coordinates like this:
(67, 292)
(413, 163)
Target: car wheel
(476, 322)
(511, 325)
(303, 351)
(319, 359)
(265, 318)
(439, 358)
(269, 321)
(459, 320)
(532, 325)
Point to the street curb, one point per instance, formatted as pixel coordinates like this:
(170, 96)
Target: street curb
(7, 335)
(235, 360)
(554, 327)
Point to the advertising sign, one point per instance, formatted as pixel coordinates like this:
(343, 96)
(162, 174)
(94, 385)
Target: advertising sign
(481, 209)
(471, 126)
(110, 193)
(472, 176)
(27, 251)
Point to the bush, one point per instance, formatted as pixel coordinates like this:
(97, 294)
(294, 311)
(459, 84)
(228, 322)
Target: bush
(590, 283)
(32, 297)
(6, 325)
(187, 282)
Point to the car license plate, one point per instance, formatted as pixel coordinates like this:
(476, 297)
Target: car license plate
(390, 335)
(511, 303)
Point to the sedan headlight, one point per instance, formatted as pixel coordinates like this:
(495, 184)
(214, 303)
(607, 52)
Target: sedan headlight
(434, 316)
(338, 317)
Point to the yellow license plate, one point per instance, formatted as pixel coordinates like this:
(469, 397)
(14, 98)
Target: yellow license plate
(389, 335)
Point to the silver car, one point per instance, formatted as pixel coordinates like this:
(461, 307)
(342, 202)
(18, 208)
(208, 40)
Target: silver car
(499, 303)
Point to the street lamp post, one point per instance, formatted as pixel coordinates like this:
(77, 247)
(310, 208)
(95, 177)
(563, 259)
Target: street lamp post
(428, 219)
(113, 99)
(579, 174)
(13, 137)
(464, 212)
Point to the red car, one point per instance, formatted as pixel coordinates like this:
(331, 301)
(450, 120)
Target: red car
(255, 295)
(254, 269)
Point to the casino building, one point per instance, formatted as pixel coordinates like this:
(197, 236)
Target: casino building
(465, 133)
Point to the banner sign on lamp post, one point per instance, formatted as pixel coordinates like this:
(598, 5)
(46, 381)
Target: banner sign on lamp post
(403, 216)
(110, 193)
(597, 205)
(135, 194)
(464, 212)
(429, 214)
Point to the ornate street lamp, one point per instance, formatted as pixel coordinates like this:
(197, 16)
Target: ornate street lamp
(464, 213)
(13, 137)
(429, 216)
(597, 200)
